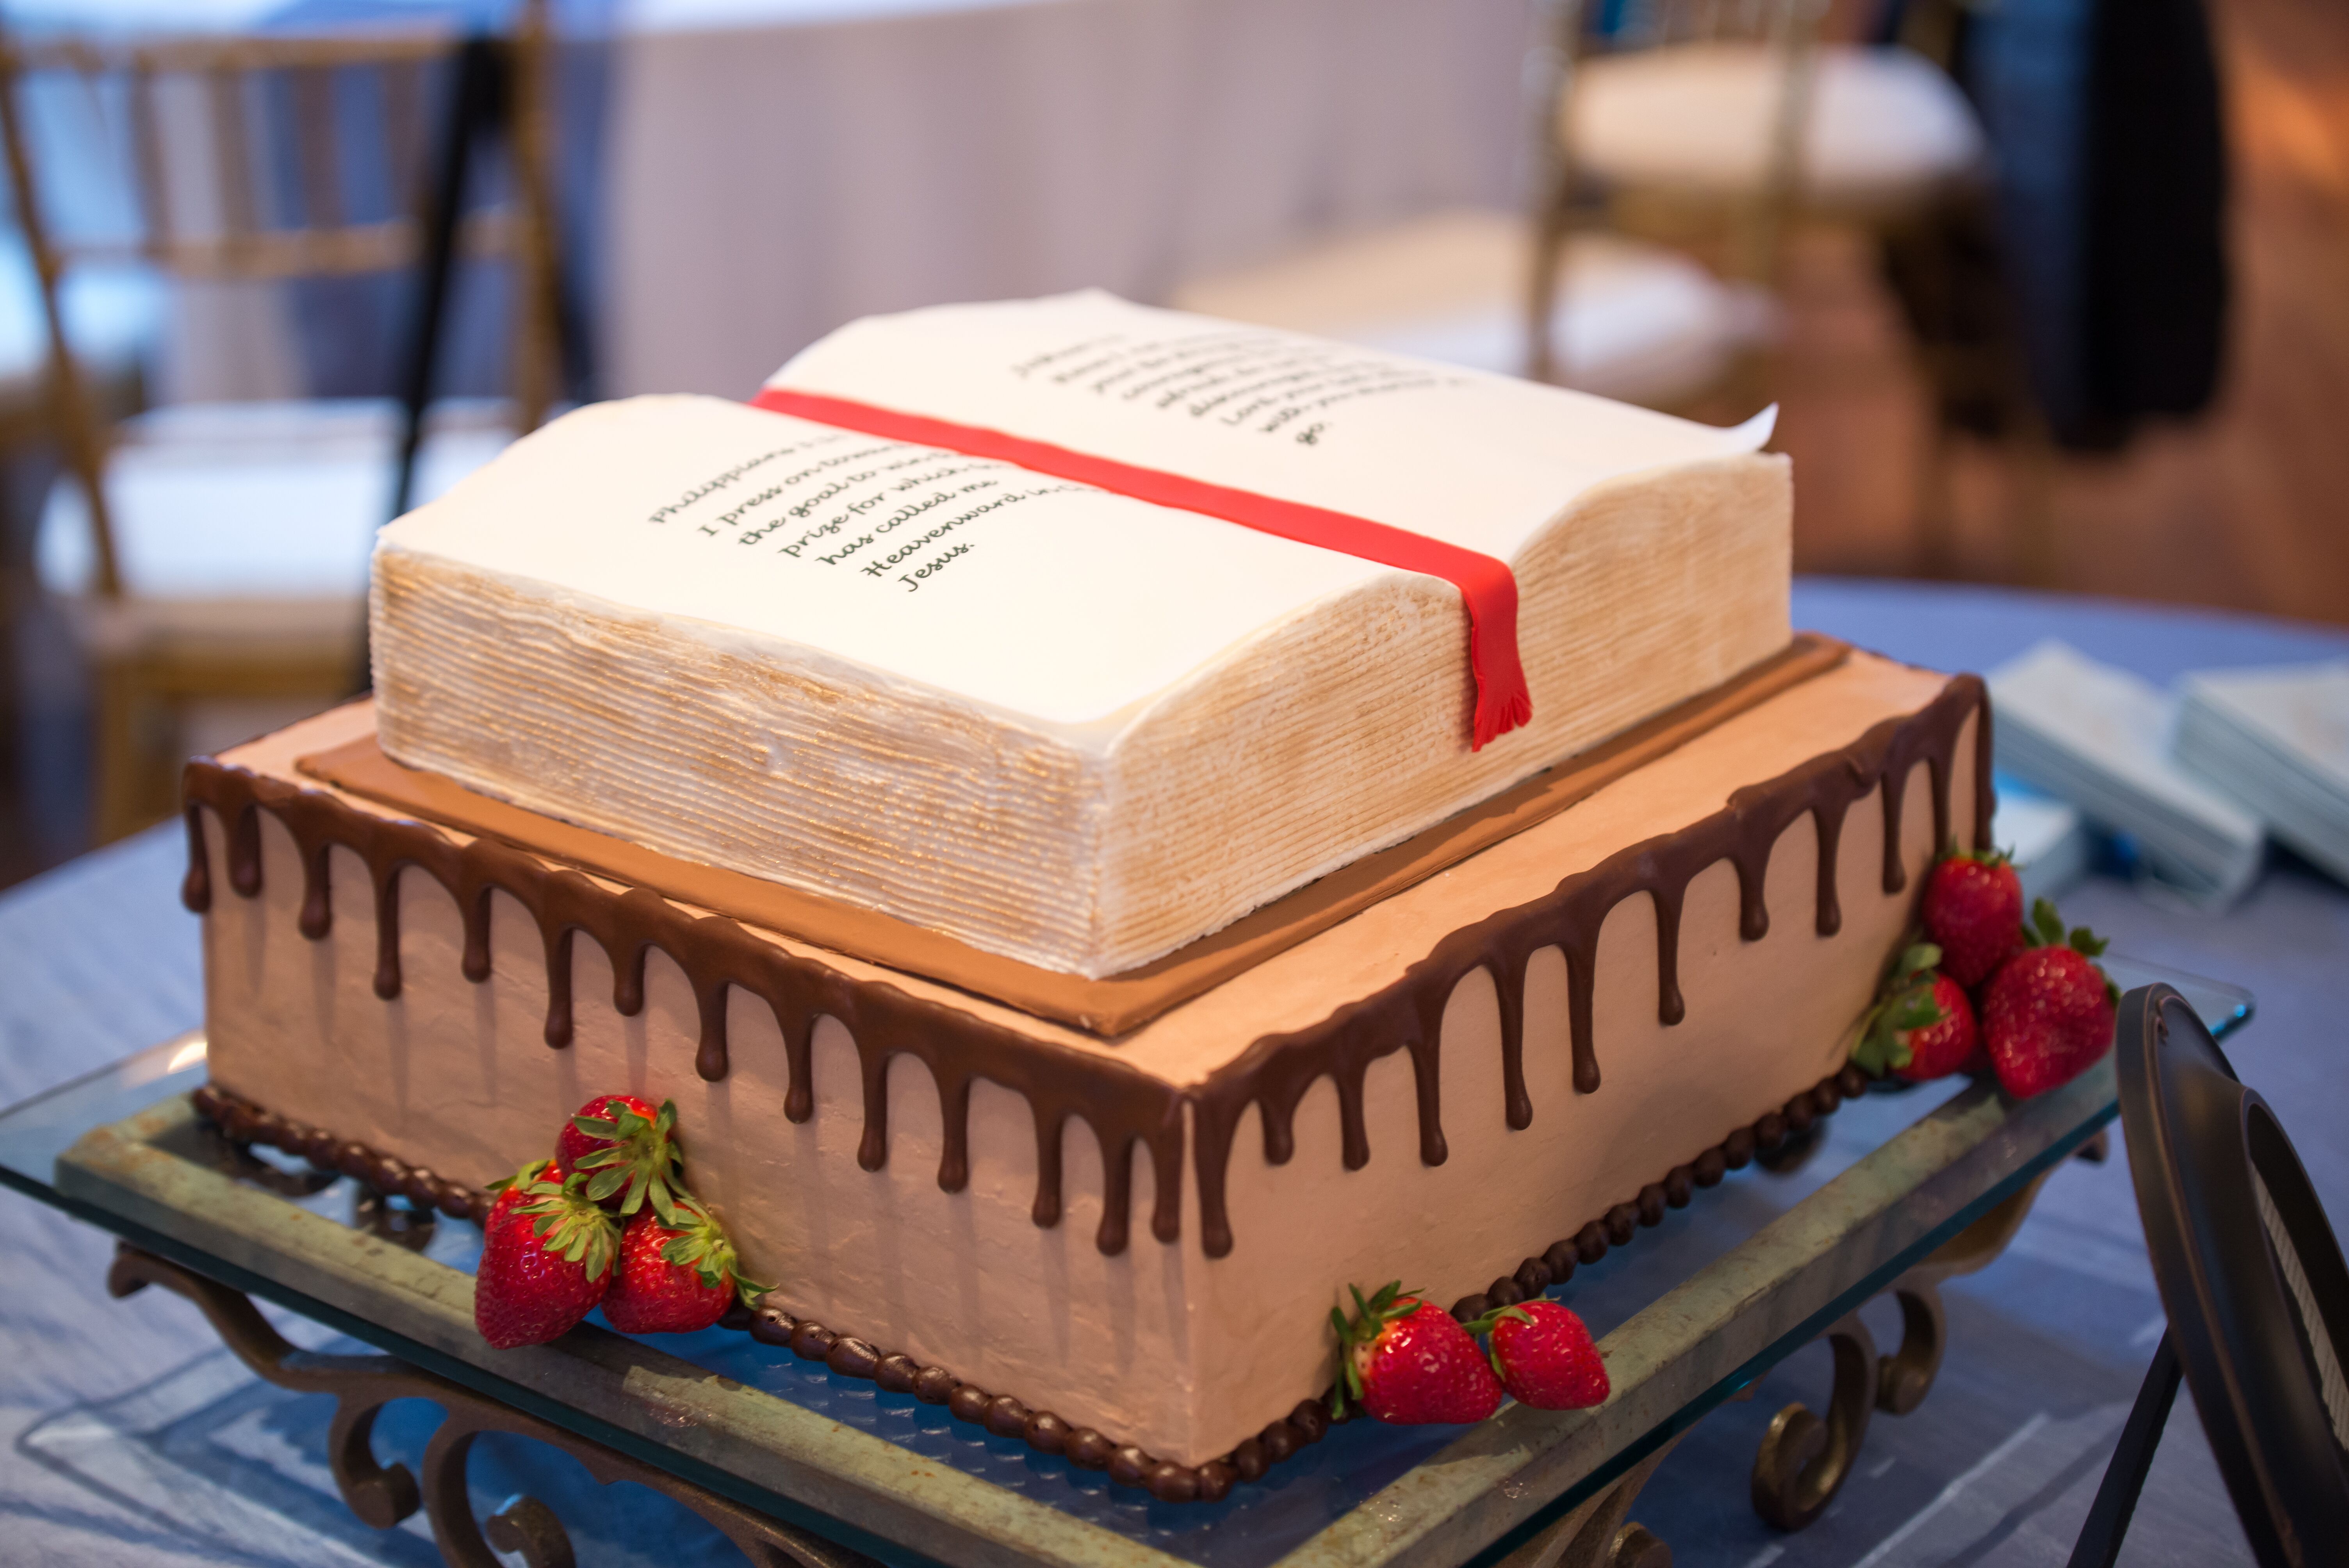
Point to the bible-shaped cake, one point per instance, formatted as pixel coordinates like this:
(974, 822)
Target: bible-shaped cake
(1111, 829)
(1059, 723)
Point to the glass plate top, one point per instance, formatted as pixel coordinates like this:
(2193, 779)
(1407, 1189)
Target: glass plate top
(1258, 1524)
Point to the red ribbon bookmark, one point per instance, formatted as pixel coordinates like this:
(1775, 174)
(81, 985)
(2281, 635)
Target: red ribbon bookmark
(1489, 586)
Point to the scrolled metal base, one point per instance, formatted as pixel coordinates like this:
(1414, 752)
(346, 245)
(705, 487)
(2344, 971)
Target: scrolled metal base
(1904, 1377)
(1635, 1547)
(1803, 1460)
(382, 1495)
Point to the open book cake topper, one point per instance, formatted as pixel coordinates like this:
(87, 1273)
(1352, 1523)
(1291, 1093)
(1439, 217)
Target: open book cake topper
(1452, 470)
(955, 622)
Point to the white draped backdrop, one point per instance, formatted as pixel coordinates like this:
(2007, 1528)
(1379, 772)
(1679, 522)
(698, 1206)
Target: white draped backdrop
(766, 170)
(775, 170)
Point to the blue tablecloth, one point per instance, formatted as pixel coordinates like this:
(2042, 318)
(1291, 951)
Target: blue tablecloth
(130, 1436)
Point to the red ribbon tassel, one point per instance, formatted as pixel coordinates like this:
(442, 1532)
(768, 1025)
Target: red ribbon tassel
(1489, 586)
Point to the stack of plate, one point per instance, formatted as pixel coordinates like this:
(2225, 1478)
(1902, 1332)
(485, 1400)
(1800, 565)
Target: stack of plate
(2100, 738)
(2046, 839)
(2276, 741)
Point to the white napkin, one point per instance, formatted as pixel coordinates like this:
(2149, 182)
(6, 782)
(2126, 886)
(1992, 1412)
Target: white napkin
(2100, 738)
(2046, 839)
(2276, 741)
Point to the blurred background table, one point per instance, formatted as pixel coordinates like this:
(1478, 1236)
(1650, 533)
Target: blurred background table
(778, 166)
(108, 1407)
(741, 176)
(736, 176)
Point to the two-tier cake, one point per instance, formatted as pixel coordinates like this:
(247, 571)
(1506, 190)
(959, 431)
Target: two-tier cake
(1084, 926)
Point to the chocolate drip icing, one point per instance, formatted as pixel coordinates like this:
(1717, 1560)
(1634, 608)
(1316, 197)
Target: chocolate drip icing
(1274, 1073)
(1124, 1108)
(240, 1120)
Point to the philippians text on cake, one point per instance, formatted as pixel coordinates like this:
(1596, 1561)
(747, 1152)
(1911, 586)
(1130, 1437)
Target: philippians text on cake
(1519, 1004)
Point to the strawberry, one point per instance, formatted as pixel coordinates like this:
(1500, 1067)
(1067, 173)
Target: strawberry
(1973, 913)
(628, 1149)
(545, 1262)
(1948, 1042)
(1545, 1356)
(511, 1191)
(1922, 1027)
(676, 1274)
(1408, 1362)
(2048, 1012)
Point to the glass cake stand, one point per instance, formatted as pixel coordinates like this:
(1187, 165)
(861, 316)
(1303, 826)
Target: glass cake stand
(1894, 1193)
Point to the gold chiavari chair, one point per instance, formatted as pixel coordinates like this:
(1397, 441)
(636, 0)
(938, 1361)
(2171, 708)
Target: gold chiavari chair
(217, 552)
(1668, 155)
(1636, 320)
(1720, 122)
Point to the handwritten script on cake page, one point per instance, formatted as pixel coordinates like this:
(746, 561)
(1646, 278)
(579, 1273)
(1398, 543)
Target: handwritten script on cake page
(1030, 596)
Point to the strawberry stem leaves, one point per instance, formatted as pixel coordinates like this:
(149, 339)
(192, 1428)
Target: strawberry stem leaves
(701, 1243)
(1388, 1304)
(570, 1225)
(1904, 1002)
(1479, 1327)
(2046, 929)
(640, 1160)
(522, 1178)
(1993, 856)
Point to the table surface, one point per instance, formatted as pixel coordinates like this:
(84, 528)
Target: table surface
(133, 1437)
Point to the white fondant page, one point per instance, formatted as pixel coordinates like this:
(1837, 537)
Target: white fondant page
(1021, 592)
(1067, 606)
(1476, 460)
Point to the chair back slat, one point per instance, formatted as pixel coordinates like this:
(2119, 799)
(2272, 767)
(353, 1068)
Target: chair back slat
(236, 210)
(250, 53)
(537, 330)
(147, 182)
(204, 120)
(77, 421)
(1565, 199)
(316, 145)
(1650, 24)
(400, 88)
(238, 166)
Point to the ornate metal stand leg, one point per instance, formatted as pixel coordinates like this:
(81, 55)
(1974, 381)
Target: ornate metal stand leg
(1804, 1461)
(383, 1495)
(1904, 1377)
(1907, 1375)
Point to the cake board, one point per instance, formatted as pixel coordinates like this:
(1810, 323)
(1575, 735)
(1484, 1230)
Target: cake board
(798, 1465)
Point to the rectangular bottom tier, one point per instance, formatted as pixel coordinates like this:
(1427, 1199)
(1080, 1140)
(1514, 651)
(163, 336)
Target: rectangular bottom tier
(911, 1211)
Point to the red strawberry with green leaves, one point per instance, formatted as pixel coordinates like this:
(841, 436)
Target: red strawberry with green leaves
(677, 1272)
(511, 1191)
(545, 1262)
(1544, 1354)
(1922, 1026)
(1973, 913)
(2048, 1012)
(1408, 1362)
(626, 1149)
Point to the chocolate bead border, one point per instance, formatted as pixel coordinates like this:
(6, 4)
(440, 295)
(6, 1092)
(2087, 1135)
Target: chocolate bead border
(1556, 1264)
(240, 1120)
